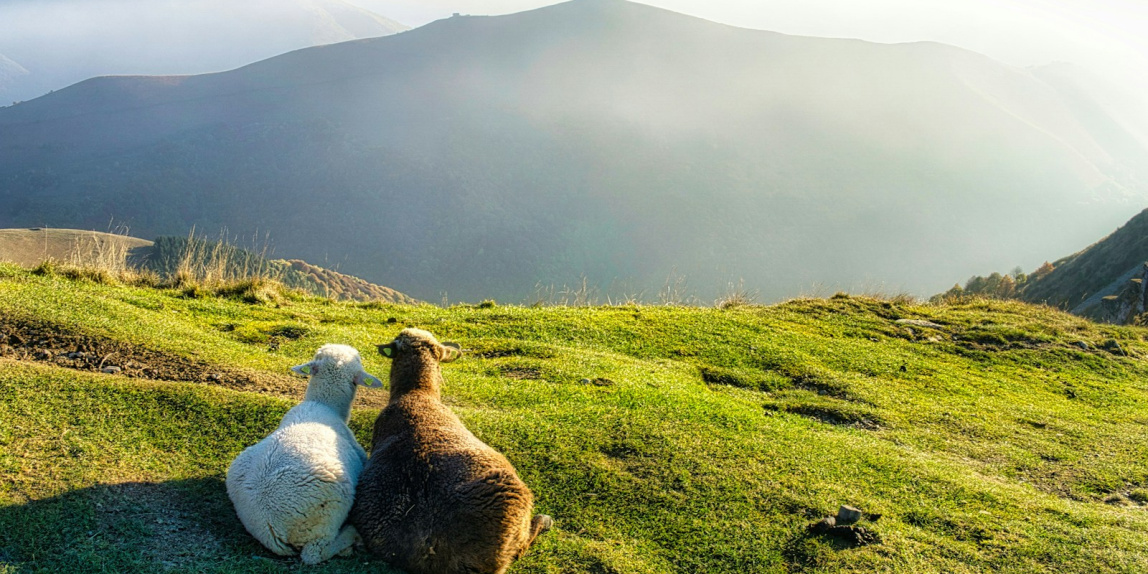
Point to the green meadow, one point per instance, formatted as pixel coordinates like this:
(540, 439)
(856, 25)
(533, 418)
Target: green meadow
(976, 435)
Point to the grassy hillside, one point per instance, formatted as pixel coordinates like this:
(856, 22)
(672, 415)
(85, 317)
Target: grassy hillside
(201, 259)
(989, 436)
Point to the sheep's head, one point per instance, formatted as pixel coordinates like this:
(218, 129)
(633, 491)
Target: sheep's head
(414, 340)
(335, 362)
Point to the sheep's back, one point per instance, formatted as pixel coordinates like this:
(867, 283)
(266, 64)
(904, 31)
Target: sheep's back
(433, 496)
(294, 479)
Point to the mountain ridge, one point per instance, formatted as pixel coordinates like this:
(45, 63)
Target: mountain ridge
(607, 140)
(179, 37)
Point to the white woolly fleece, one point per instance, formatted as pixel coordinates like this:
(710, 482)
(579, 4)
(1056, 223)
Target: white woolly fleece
(294, 488)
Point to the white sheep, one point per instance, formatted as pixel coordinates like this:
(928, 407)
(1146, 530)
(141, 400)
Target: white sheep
(293, 489)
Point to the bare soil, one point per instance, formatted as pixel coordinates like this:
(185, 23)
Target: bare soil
(25, 340)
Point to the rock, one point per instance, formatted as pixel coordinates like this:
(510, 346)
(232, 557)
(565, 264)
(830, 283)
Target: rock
(1113, 346)
(919, 323)
(585, 381)
(111, 370)
(824, 525)
(1082, 345)
(214, 377)
(848, 515)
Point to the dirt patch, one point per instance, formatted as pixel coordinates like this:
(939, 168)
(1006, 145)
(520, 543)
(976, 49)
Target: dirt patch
(521, 373)
(842, 417)
(835, 417)
(46, 343)
(25, 340)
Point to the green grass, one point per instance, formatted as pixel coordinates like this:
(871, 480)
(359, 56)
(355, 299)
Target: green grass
(996, 443)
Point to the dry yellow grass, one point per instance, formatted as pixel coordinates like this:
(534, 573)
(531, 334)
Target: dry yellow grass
(31, 247)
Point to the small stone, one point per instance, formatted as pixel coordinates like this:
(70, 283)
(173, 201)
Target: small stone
(847, 515)
(1113, 346)
(1082, 345)
(824, 525)
(214, 377)
(585, 381)
(111, 370)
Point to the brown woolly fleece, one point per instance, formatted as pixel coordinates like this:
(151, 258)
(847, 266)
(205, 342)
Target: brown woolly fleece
(433, 499)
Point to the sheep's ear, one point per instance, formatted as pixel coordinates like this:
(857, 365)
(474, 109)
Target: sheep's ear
(450, 352)
(387, 350)
(368, 380)
(305, 369)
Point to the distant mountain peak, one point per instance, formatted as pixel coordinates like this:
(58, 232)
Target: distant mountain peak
(596, 138)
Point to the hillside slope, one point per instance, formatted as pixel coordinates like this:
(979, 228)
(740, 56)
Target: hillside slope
(481, 156)
(31, 247)
(1100, 269)
(709, 440)
(1094, 282)
(56, 44)
(114, 252)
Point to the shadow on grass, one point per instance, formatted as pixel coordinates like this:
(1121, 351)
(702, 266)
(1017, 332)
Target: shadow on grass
(175, 526)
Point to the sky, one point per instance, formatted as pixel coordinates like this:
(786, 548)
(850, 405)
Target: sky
(1108, 36)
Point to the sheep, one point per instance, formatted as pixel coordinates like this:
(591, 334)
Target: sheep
(433, 497)
(293, 489)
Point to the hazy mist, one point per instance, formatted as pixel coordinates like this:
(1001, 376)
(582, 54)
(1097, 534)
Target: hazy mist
(1107, 37)
(598, 138)
(49, 44)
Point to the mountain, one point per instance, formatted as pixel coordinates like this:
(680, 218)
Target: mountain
(483, 156)
(1105, 281)
(61, 42)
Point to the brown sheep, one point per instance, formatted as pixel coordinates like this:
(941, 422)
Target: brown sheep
(433, 499)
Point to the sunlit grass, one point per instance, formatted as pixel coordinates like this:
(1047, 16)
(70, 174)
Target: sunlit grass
(1004, 437)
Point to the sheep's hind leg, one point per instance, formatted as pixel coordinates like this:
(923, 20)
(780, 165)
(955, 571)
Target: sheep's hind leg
(541, 523)
(351, 537)
(319, 551)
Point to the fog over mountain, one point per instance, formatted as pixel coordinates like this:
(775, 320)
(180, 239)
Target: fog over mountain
(49, 44)
(599, 138)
